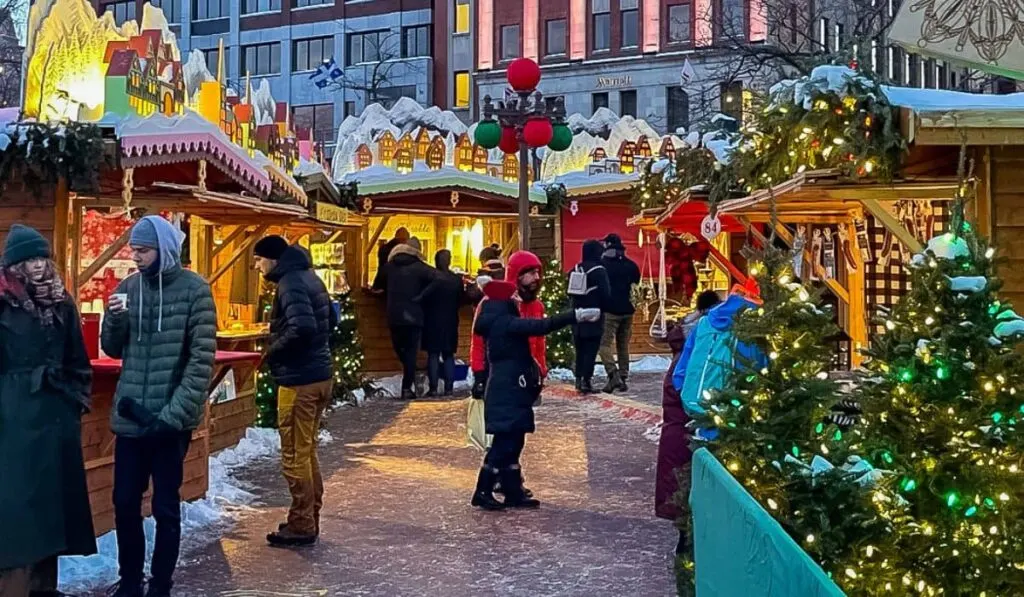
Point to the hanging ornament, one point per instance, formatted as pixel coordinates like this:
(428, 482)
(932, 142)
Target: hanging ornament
(848, 256)
(509, 143)
(561, 138)
(523, 74)
(487, 134)
(863, 240)
(574, 207)
(538, 132)
(816, 256)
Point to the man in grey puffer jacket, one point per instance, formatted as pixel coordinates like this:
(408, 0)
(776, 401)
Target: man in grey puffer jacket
(165, 334)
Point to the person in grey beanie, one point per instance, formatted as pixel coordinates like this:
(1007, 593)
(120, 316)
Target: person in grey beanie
(162, 323)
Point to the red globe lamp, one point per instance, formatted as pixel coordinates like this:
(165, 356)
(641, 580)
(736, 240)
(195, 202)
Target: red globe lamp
(537, 132)
(523, 74)
(509, 143)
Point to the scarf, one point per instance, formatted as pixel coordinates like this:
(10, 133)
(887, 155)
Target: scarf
(39, 297)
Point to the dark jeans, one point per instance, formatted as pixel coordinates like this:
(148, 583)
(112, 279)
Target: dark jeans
(586, 356)
(505, 450)
(406, 341)
(136, 461)
(437, 360)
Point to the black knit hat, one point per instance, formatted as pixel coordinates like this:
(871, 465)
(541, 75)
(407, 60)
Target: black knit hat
(24, 243)
(271, 247)
(614, 241)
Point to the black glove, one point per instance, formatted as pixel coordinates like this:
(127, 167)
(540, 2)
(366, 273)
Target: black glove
(133, 411)
(479, 385)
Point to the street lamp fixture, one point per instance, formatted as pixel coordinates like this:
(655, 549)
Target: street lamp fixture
(522, 122)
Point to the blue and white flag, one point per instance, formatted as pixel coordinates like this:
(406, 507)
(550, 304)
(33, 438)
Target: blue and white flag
(327, 73)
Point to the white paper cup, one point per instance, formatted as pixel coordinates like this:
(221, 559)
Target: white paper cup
(122, 298)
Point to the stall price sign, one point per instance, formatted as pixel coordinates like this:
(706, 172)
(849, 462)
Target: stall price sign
(331, 214)
(710, 227)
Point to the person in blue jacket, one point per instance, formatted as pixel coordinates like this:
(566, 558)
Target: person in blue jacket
(712, 350)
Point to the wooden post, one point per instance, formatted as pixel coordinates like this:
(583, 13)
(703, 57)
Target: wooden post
(75, 238)
(857, 327)
(237, 232)
(62, 216)
(202, 246)
(104, 258)
(983, 214)
(243, 246)
(892, 225)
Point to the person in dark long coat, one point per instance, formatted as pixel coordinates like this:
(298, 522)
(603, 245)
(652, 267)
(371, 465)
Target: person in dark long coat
(514, 382)
(441, 302)
(45, 383)
(587, 336)
(674, 453)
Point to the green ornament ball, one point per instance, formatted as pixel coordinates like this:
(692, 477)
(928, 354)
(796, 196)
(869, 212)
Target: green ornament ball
(487, 134)
(561, 139)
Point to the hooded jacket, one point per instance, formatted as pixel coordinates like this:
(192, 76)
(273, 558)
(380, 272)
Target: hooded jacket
(403, 280)
(519, 261)
(514, 380)
(301, 321)
(623, 273)
(712, 352)
(598, 295)
(167, 340)
(442, 300)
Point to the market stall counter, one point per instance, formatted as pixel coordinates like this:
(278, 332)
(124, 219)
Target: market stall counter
(98, 440)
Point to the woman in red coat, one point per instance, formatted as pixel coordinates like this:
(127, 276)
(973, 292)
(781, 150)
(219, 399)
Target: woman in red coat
(674, 453)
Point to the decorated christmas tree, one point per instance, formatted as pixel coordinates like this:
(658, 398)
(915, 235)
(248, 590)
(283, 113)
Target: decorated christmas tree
(943, 403)
(555, 296)
(347, 351)
(784, 428)
(266, 398)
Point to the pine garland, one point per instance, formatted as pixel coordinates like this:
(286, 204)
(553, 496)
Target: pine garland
(40, 155)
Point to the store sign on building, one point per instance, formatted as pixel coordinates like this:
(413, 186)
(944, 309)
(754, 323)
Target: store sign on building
(331, 214)
(614, 82)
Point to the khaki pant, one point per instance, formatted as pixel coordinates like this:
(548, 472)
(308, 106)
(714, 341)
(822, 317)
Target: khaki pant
(615, 342)
(20, 582)
(299, 412)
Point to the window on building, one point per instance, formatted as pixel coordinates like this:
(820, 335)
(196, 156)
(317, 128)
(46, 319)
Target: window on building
(210, 9)
(837, 41)
(258, 6)
(462, 89)
(929, 74)
(913, 70)
(305, 3)
(678, 109)
(350, 109)
(895, 65)
(824, 33)
(211, 59)
(679, 24)
(599, 100)
(554, 38)
(732, 100)
(461, 16)
(318, 118)
(122, 11)
(309, 54)
(629, 17)
(942, 75)
(509, 42)
(602, 25)
(793, 24)
(366, 46)
(389, 95)
(731, 24)
(261, 59)
(170, 8)
(550, 101)
(627, 103)
(416, 41)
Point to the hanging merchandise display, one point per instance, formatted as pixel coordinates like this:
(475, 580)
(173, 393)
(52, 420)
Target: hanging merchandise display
(816, 254)
(863, 240)
(848, 257)
(829, 254)
(798, 251)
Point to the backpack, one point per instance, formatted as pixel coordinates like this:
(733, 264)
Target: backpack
(578, 281)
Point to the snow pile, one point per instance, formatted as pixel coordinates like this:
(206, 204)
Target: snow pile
(196, 72)
(263, 103)
(598, 125)
(391, 387)
(944, 246)
(308, 168)
(839, 80)
(201, 521)
(968, 284)
(645, 364)
(942, 100)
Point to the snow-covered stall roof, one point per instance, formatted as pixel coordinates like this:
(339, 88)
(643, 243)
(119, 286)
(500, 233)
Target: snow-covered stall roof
(380, 180)
(171, 139)
(581, 184)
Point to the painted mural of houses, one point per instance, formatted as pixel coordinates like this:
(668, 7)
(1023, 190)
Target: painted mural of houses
(142, 77)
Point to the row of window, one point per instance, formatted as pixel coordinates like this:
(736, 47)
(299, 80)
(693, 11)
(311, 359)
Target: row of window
(676, 99)
(309, 54)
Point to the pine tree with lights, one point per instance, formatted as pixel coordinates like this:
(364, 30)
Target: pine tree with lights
(347, 350)
(781, 429)
(943, 402)
(266, 399)
(554, 294)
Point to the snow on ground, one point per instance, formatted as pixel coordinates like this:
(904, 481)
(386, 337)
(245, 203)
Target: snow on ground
(202, 521)
(645, 364)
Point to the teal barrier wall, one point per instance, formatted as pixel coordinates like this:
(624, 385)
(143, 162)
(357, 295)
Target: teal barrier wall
(740, 550)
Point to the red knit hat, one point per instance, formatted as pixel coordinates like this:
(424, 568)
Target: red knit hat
(520, 262)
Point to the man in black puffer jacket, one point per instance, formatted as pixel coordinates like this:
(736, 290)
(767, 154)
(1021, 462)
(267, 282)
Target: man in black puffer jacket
(299, 356)
(595, 295)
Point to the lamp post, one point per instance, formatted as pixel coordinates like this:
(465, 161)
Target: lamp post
(523, 122)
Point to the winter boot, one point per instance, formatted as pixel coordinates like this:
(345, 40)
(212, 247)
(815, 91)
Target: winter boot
(613, 383)
(623, 386)
(408, 394)
(125, 589)
(587, 386)
(483, 495)
(288, 538)
(526, 492)
(158, 590)
(512, 482)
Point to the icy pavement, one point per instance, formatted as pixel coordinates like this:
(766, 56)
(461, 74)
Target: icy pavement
(397, 520)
